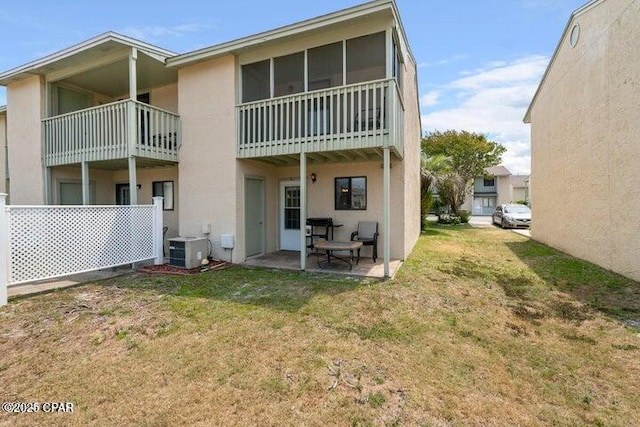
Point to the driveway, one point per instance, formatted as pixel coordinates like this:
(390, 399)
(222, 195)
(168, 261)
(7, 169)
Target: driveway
(485, 221)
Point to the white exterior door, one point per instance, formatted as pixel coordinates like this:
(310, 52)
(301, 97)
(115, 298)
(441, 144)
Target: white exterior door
(290, 216)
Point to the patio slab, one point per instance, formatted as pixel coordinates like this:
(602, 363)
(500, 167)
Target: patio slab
(290, 260)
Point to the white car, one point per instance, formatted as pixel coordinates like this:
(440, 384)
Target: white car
(512, 216)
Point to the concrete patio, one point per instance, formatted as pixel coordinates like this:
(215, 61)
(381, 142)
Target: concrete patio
(290, 260)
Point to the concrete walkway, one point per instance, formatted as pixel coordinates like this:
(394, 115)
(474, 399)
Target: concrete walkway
(65, 282)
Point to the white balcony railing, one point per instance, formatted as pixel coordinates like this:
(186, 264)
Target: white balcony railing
(102, 133)
(365, 115)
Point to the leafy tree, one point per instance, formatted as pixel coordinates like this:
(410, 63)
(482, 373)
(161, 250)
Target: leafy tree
(470, 154)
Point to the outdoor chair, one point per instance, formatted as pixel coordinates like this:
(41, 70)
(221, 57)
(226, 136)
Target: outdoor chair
(367, 233)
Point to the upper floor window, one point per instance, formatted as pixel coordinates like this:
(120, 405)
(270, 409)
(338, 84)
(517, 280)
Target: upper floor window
(366, 58)
(365, 61)
(256, 81)
(288, 74)
(489, 182)
(325, 66)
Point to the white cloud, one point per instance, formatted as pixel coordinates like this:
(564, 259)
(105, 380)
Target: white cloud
(454, 58)
(430, 99)
(493, 100)
(158, 32)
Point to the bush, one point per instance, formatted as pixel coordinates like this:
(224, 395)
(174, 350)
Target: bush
(464, 216)
(447, 219)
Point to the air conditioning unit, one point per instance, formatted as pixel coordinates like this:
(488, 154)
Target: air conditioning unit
(187, 252)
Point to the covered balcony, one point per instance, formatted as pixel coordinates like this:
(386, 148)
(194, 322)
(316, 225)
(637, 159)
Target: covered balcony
(335, 124)
(336, 102)
(103, 133)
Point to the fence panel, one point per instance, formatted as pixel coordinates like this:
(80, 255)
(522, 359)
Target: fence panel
(44, 242)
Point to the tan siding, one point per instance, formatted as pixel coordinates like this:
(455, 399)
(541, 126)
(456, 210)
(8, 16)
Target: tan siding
(25, 100)
(585, 150)
(411, 163)
(3, 153)
(207, 157)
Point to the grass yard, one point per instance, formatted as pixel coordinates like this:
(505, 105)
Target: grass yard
(480, 327)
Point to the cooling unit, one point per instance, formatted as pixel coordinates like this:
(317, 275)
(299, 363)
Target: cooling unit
(187, 252)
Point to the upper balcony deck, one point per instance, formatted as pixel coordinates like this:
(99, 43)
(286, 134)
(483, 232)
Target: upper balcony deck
(364, 117)
(103, 134)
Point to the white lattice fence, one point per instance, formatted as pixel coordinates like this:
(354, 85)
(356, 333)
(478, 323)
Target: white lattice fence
(42, 242)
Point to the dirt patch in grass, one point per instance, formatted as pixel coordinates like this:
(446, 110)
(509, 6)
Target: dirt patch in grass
(470, 332)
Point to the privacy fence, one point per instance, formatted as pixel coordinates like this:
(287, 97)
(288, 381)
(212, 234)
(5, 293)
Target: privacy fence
(45, 242)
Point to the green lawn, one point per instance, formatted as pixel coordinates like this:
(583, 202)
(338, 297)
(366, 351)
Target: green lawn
(479, 327)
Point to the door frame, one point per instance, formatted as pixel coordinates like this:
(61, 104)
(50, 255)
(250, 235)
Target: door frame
(292, 182)
(262, 214)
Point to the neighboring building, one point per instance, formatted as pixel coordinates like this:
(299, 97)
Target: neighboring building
(489, 191)
(519, 188)
(585, 128)
(231, 134)
(4, 168)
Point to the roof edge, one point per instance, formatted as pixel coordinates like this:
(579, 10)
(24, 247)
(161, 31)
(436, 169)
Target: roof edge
(287, 30)
(579, 11)
(87, 44)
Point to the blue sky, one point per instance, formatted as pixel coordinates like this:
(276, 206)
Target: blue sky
(479, 61)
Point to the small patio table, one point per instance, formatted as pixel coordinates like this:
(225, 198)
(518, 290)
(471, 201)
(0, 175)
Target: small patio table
(331, 247)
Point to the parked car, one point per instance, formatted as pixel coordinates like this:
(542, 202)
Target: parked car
(512, 216)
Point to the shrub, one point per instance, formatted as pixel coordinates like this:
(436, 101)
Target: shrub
(464, 216)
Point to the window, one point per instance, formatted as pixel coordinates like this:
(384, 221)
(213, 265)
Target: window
(288, 74)
(164, 189)
(488, 202)
(256, 81)
(325, 66)
(398, 67)
(351, 193)
(489, 182)
(366, 58)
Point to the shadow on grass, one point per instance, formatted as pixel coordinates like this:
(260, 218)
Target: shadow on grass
(283, 290)
(594, 287)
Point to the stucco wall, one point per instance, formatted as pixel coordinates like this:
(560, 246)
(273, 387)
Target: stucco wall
(165, 97)
(505, 191)
(411, 163)
(208, 181)
(3, 152)
(25, 102)
(585, 148)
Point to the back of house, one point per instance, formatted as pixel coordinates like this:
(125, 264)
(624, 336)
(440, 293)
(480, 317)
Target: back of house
(245, 140)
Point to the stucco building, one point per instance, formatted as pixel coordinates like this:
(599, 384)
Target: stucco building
(585, 130)
(246, 138)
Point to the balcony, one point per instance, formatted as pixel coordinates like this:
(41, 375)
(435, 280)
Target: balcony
(102, 134)
(358, 119)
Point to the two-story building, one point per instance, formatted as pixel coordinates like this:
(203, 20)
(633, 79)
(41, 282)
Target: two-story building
(490, 190)
(246, 138)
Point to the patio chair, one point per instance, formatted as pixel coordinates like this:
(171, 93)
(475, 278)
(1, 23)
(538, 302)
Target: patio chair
(367, 233)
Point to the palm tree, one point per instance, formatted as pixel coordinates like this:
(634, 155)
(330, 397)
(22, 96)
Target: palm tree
(434, 170)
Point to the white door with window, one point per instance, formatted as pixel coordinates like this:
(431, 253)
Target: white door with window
(290, 216)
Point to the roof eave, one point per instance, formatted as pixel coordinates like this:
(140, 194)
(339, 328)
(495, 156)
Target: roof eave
(579, 11)
(281, 32)
(87, 44)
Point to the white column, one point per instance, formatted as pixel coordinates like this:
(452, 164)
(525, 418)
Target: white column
(157, 230)
(386, 186)
(4, 244)
(133, 74)
(303, 210)
(85, 183)
(133, 181)
(133, 125)
(47, 186)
